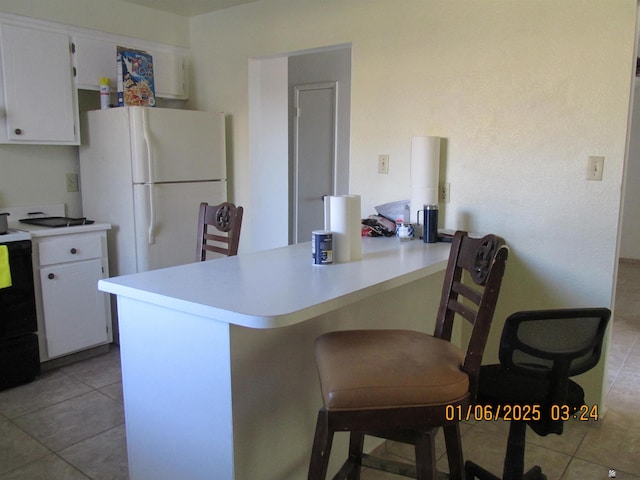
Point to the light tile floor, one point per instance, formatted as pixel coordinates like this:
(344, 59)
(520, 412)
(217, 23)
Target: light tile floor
(66, 425)
(69, 423)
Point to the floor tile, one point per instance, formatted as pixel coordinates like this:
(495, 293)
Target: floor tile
(582, 470)
(17, 448)
(51, 467)
(616, 444)
(73, 420)
(103, 457)
(50, 388)
(114, 391)
(97, 372)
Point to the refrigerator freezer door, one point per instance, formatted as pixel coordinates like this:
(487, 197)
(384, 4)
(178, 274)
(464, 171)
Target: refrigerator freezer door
(168, 236)
(170, 145)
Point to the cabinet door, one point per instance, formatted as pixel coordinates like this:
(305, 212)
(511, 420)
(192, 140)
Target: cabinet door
(170, 75)
(40, 98)
(96, 58)
(75, 312)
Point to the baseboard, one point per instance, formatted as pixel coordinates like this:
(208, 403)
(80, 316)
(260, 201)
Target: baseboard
(633, 261)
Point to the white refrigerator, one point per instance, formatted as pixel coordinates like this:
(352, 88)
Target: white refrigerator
(145, 171)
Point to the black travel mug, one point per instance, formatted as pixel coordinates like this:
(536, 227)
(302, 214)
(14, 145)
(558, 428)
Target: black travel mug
(430, 215)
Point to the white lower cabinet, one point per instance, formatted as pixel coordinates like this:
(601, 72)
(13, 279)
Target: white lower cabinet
(74, 314)
(74, 311)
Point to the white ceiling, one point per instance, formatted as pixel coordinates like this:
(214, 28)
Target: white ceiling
(189, 8)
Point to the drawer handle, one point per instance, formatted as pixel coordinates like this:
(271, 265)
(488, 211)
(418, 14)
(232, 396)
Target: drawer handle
(18, 131)
(73, 251)
(51, 276)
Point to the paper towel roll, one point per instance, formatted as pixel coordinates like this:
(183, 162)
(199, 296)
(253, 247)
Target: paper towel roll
(342, 217)
(425, 173)
(355, 227)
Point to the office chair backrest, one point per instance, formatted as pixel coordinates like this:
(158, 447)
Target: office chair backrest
(553, 345)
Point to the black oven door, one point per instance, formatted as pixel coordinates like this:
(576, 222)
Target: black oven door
(17, 303)
(19, 354)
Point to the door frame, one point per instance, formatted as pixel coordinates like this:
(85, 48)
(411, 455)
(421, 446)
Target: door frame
(331, 85)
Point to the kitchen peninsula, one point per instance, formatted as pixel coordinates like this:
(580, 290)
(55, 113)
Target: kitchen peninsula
(218, 367)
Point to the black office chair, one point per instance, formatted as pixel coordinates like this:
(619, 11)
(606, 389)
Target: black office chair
(539, 351)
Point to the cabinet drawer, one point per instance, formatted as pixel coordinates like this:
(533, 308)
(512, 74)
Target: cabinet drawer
(70, 248)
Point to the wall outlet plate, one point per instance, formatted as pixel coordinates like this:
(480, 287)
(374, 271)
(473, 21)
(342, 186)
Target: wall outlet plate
(72, 182)
(445, 192)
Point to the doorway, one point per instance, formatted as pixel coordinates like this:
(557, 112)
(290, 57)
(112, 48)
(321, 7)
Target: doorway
(272, 83)
(314, 156)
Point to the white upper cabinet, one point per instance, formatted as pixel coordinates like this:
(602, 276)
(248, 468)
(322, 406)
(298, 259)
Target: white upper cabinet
(39, 98)
(96, 58)
(43, 64)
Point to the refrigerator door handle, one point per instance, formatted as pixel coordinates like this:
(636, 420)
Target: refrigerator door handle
(152, 214)
(147, 143)
(150, 184)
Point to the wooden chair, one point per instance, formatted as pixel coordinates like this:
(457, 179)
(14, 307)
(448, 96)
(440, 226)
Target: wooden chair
(539, 351)
(226, 219)
(401, 385)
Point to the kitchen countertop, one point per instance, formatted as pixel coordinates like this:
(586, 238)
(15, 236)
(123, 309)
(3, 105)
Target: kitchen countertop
(281, 287)
(53, 210)
(37, 231)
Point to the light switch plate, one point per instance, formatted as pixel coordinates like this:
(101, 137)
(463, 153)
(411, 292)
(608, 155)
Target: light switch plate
(383, 164)
(595, 166)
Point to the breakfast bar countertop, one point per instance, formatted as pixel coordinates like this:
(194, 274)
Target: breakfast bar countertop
(280, 287)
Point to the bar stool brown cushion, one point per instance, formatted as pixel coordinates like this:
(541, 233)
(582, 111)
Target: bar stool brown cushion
(388, 369)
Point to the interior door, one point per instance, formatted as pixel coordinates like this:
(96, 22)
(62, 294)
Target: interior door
(314, 156)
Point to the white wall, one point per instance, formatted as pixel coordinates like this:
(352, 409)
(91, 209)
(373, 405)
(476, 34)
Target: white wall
(269, 177)
(522, 92)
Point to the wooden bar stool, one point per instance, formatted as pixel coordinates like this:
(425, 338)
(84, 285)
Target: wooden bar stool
(402, 385)
(226, 219)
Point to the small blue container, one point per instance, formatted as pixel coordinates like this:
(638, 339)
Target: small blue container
(322, 247)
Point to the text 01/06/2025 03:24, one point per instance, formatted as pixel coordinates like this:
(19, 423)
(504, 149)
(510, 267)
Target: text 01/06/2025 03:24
(525, 413)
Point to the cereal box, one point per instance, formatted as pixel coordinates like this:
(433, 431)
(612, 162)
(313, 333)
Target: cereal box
(135, 78)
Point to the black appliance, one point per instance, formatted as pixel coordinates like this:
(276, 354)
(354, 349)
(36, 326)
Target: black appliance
(19, 354)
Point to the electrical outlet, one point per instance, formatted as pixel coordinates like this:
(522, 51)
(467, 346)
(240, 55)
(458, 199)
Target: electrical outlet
(595, 166)
(383, 164)
(72, 182)
(445, 191)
